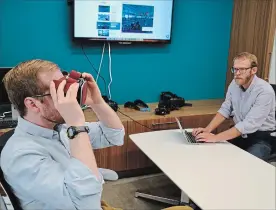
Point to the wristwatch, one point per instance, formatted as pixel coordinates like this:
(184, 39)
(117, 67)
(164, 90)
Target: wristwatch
(72, 131)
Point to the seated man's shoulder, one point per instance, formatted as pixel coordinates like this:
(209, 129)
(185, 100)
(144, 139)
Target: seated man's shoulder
(264, 87)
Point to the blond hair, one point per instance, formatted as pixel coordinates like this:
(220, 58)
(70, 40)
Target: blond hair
(22, 81)
(246, 55)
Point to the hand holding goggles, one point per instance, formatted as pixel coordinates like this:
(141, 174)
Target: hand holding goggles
(71, 78)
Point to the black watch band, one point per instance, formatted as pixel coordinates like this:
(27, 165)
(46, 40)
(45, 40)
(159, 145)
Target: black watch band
(72, 131)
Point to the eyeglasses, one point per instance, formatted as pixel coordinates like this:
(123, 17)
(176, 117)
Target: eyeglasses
(241, 70)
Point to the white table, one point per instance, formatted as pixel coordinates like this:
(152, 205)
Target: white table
(214, 176)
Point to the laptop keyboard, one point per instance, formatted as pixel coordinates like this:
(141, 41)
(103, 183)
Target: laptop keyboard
(190, 137)
(8, 124)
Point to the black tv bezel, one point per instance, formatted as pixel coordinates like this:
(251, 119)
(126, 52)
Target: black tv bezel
(92, 40)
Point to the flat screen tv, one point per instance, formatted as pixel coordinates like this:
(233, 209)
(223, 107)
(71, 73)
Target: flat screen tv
(123, 21)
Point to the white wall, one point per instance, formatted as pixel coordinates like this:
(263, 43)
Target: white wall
(272, 74)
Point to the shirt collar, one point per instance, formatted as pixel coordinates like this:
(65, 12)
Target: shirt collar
(36, 130)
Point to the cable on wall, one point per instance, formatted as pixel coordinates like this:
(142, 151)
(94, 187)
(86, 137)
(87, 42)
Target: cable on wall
(100, 63)
(110, 72)
(94, 67)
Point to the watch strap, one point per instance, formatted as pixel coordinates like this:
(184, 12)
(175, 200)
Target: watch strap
(72, 131)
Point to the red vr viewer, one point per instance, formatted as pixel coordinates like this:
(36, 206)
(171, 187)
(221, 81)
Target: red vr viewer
(71, 78)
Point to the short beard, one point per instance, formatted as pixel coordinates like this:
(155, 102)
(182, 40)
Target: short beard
(246, 80)
(52, 116)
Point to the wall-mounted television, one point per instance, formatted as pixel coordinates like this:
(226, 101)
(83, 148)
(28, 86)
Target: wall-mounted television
(123, 21)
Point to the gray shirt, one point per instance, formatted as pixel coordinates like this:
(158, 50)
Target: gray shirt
(252, 110)
(37, 164)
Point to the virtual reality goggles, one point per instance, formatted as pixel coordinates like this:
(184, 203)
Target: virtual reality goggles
(71, 78)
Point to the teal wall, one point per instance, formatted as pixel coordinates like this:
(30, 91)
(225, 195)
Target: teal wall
(193, 65)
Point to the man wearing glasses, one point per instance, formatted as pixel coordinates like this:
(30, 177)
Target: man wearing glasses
(49, 161)
(251, 102)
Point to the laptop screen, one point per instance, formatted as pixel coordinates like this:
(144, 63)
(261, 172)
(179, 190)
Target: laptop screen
(179, 124)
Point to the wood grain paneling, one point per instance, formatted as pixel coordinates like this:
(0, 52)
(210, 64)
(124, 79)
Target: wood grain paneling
(271, 36)
(253, 29)
(196, 121)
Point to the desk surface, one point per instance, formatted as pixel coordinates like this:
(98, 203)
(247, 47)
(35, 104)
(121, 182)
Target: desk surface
(214, 176)
(200, 107)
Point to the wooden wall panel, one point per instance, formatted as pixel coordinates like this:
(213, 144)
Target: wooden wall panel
(271, 36)
(253, 28)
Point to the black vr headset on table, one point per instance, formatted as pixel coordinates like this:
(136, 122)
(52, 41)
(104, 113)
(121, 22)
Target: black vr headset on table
(168, 102)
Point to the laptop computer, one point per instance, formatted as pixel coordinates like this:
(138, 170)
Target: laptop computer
(188, 136)
(190, 139)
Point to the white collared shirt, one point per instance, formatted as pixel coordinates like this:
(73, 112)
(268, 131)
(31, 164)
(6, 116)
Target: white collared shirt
(37, 164)
(252, 109)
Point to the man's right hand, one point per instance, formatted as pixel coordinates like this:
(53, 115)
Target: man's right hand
(197, 131)
(70, 110)
(67, 106)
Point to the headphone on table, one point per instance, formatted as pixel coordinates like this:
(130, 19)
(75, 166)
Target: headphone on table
(138, 105)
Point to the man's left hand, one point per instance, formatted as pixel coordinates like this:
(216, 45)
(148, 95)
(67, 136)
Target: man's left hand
(94, 95)
(207, 137)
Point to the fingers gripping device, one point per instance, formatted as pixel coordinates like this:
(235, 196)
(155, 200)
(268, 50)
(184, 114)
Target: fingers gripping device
(71, 78)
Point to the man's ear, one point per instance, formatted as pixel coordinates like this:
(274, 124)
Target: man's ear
(254, 70)
(32, 104)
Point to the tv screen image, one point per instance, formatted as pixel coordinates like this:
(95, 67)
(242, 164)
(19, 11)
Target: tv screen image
(103, 32)
(137, 18)
(103, 17)
(123, 21)
(103, 8)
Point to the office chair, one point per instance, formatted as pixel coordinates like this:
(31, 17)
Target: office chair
(14, 200)
(272, 157)
(3, 206)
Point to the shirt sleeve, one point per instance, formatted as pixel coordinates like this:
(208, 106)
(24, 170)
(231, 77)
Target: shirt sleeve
(226, 107)
(102, 136)
(257, 114)
(33, 174)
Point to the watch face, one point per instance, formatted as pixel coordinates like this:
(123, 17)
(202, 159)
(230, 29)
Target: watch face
(71, 132)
